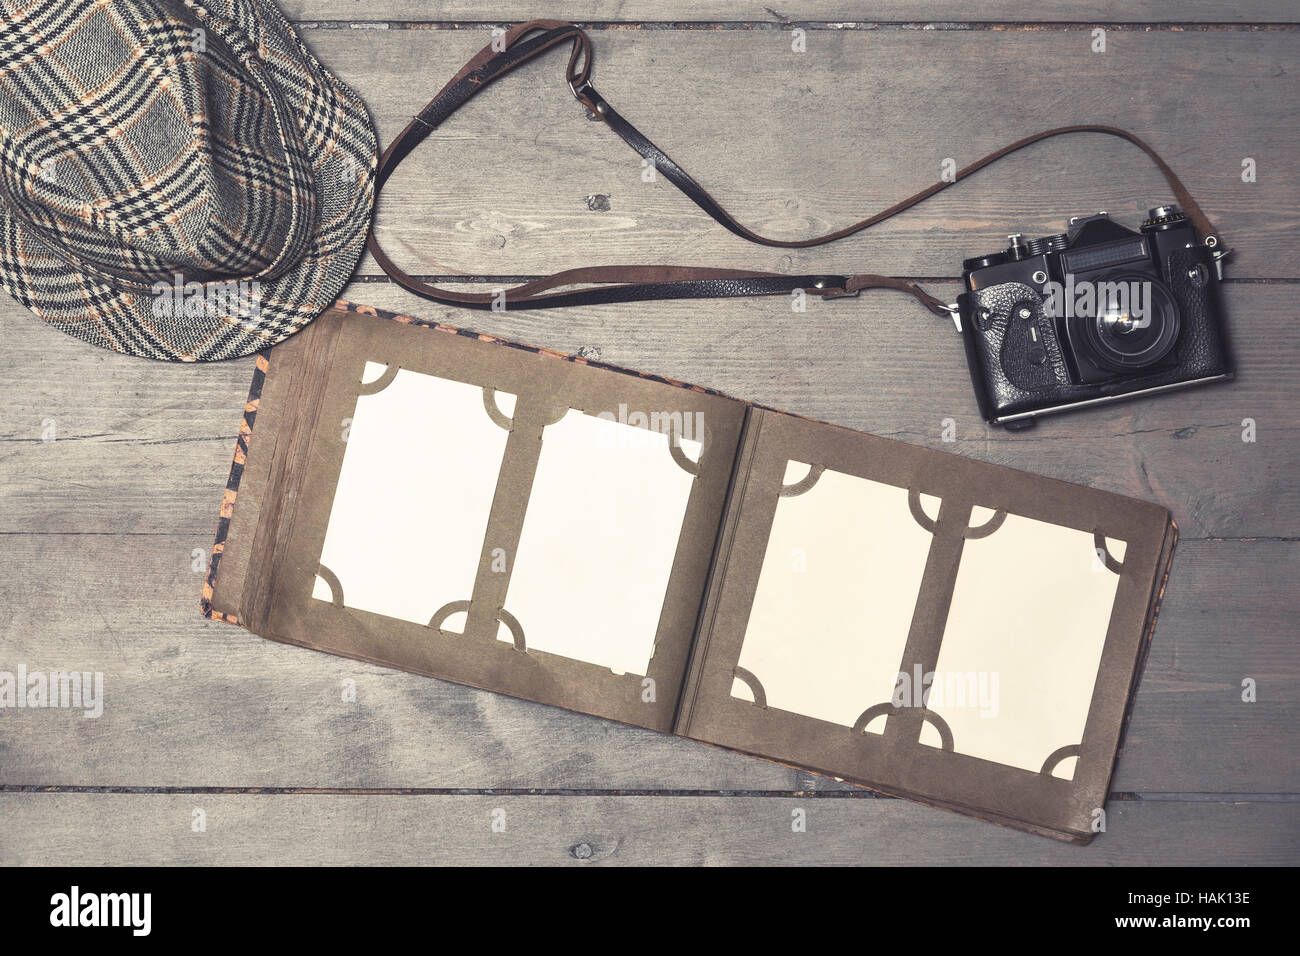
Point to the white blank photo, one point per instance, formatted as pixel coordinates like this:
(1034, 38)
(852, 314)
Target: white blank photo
(598, 541)
(1028, 622)
(835, 597)
(414, 494)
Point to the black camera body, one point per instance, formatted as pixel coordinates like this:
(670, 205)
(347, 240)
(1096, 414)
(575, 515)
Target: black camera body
(1097, 314)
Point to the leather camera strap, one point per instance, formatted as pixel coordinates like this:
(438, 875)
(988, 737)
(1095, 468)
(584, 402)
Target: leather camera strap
(606, 284)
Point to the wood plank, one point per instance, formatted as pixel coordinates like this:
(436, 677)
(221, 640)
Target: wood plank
(835, 11)
(194, 703)
(155, 440)
(800, 143)
(105, 829)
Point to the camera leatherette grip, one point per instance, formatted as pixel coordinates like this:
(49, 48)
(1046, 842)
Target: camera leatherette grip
(997, 349)
(1200, 349)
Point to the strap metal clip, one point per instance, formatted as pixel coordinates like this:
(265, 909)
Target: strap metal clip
(1217, 256)
(586, 94)
(953, 310)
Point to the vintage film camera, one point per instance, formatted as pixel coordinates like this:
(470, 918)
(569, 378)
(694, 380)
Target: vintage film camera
(1096, 314)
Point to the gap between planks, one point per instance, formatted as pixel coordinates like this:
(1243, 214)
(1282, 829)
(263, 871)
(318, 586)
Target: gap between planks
(874, 26)
(846, 794)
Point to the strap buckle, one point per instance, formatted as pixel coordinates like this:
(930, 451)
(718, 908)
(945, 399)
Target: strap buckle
(834, 287)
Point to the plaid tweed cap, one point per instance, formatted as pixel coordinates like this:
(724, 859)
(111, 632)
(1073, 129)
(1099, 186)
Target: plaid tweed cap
(179, 181)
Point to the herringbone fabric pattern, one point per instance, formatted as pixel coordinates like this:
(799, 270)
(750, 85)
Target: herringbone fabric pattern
(179, 181)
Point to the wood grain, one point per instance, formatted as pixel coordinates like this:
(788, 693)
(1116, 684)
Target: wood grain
(844, 13)
(91, 829)
(797, 144)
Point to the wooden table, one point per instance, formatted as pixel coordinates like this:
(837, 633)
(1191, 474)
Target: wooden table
(104, 530)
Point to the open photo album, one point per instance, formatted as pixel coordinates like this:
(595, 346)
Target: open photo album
(917, 622)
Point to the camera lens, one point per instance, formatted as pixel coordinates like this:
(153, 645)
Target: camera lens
(1136, 323)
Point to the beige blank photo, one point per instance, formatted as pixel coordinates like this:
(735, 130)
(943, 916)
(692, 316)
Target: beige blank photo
(838, 586)
(411, 509)
(1029, 616)
(596, 551)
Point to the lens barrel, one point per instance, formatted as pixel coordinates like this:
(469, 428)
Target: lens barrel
(1136, 323)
